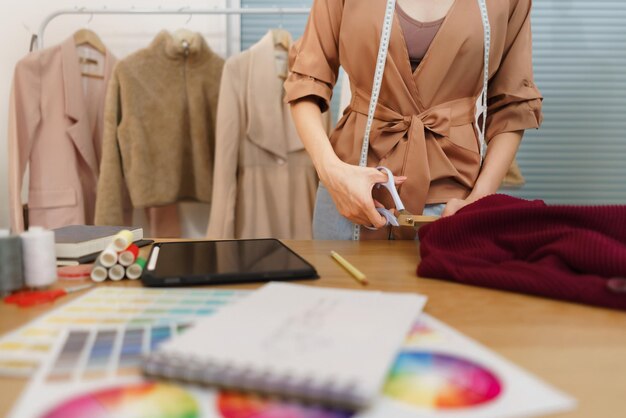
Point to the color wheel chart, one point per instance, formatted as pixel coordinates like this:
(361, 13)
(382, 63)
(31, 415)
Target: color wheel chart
(143, 400)
(22, 351)
(440, 381)
(237, 405)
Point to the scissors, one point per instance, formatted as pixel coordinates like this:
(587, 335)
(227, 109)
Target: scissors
(404, 218)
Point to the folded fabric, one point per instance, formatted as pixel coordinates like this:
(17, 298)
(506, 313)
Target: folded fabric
(574, 253)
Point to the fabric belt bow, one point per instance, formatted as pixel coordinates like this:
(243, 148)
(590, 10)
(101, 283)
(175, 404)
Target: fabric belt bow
(399, 143)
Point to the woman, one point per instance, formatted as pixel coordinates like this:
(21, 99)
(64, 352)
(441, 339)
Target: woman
(424, 123)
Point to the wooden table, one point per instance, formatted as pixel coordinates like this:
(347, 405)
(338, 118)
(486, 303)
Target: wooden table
(580, 350)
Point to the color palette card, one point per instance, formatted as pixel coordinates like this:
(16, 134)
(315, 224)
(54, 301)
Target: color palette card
(22, 351)
(438, 373)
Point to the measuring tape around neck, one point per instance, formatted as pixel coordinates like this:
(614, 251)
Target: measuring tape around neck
(481, 103)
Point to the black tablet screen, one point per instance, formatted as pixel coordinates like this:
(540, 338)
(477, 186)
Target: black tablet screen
(213, 261)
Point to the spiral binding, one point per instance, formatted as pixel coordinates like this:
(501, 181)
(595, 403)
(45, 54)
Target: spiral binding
(285, 384)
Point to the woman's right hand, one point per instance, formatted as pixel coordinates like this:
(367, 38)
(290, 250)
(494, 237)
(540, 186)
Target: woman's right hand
(351, 189)
(349, 186)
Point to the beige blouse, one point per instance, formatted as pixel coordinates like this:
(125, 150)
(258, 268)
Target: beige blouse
(423, 125)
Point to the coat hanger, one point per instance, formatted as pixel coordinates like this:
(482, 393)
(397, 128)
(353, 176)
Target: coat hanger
(33, 38)
(282, 42)
(282, 38)
(184, 35)
(86, 36)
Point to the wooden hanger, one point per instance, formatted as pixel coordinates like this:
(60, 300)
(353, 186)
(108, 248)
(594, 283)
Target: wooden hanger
(282, 38)
(89, 37)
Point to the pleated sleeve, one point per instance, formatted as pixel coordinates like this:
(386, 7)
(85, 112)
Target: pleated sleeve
(314, 58)
(514, 101)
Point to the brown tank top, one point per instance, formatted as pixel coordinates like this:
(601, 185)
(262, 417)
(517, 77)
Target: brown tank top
(417, 35)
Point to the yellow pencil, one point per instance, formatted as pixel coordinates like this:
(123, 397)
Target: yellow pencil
(360, 277)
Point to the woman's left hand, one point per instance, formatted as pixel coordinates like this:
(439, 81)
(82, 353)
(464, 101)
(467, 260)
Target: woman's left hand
(453, 206)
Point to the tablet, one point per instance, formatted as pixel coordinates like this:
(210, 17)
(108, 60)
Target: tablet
(220, 262)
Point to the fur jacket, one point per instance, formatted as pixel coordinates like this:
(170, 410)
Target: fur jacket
(159, 130)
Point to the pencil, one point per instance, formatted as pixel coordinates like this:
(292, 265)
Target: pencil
(358, 276)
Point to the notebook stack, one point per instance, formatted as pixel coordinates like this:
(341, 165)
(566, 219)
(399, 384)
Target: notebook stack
(81, 244)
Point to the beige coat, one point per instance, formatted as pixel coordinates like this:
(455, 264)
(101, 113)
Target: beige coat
(56, 129)
(264, 181)
(159, 128)
(423, 124)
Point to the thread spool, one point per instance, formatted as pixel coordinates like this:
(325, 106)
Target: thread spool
(99, 273)
(116, 272)
(122, 240)
(11, 267)
(134, 271)
(108, 258)
(39, 257)
(128, 256)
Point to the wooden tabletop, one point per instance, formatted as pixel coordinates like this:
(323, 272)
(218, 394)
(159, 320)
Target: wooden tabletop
(579, 349)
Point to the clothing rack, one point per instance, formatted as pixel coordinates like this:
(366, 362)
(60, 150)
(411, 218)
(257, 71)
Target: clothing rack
(159, 11)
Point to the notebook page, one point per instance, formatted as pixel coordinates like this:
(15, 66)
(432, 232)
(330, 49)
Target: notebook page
(329, 336)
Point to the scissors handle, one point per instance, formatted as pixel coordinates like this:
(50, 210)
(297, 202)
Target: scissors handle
(390, 185)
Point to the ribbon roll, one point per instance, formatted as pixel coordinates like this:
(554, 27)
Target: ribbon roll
(39, 257)
(128, 257)
(109, 257)
(134, 271)
(11, 268)
(116, 272)
(99, 273)
(122, 240)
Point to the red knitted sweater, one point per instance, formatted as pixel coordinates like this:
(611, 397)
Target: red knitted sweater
(561, 252)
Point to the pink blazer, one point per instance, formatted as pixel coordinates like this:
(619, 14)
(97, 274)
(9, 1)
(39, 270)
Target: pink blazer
(56, 129)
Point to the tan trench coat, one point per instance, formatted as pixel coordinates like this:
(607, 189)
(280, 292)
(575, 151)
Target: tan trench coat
(264, 181)
(423, 124)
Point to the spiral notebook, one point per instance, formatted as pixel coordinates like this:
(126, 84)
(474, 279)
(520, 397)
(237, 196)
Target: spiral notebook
(326, 346)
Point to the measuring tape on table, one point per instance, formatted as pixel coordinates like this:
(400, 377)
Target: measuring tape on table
(481, 103)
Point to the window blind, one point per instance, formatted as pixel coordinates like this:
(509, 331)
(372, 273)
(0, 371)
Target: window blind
(578, 156)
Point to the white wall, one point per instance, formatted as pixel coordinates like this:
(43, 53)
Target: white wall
(122, 34)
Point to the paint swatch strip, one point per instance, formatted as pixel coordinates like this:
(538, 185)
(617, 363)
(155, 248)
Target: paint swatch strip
(101, 353)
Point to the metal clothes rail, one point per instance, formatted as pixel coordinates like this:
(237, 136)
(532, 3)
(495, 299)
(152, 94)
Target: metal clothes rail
(158, 11)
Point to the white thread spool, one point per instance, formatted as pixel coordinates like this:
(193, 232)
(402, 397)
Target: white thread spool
(116, 272)
(39, 256)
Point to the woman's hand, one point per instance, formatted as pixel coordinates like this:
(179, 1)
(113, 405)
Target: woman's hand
(500, 154)
(453, 206)
(349, 186)
(351, 189)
